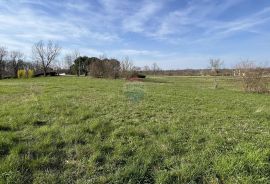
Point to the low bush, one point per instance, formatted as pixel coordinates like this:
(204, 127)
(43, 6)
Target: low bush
(142, 76)
(255, 82)
(30, 74)
(253, 79)
(25, 74)
(21, 74)
(135, 75)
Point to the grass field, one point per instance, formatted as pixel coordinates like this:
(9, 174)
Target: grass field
(164, 130)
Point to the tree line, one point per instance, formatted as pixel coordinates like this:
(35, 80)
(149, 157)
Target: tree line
(45, 60)
(96, 67)
(13, 61)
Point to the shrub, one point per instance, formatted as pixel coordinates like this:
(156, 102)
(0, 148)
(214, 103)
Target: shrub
(21, 74)
(255, 82)
(103, 68)
(25, 74)
(253, 79)
(136, 74)
(142, 76)
(30, 73)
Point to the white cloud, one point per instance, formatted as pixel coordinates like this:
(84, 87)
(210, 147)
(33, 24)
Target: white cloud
(105, 26)
(197, 22)
(26, 23)
(113, 18)
(137, 22)
(221, 29)
(132, 52)
(84, 51)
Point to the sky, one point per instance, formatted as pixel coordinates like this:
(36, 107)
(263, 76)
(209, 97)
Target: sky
(176, 34)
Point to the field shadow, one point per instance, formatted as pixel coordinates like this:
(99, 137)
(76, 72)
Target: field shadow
(5, 128)
(4, 150)
(39, 123)
(156, 80)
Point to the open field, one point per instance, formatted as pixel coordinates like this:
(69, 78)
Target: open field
(164, 130)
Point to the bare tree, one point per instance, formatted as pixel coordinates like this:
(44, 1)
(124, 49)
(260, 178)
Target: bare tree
(243, 67)
(57, 65)
(45, 54)
(102, 56)
(146, 68)
(137, 68)
(68, 60)
(155, 68)
(71, 57)
(127, 67)
(3, 54)
(16, 61)
(215, 65)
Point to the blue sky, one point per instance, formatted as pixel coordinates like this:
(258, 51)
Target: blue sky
(175, 34)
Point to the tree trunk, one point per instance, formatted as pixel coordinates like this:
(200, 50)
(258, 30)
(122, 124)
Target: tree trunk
(45, 72)
(1, 70)
(15, 73)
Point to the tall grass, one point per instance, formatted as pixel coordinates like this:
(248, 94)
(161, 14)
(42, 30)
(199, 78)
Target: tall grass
(84, 130)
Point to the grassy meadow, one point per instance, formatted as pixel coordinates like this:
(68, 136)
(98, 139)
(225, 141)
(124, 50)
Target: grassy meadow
(163, 130)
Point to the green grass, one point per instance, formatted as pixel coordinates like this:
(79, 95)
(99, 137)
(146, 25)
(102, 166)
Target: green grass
(164, 130)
